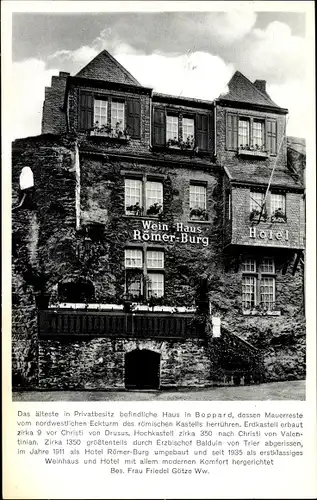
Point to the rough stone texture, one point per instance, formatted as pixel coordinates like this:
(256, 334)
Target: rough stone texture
(266, 232)
(54, 119)
(100, 363)
(95, 143)
(48, 250)
(35, 239)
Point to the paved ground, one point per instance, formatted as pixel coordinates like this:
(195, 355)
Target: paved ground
(291, 390)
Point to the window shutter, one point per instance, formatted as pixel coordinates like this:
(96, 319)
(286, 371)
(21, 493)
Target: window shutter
(271, 136)
(134, 118)
(86, 111)
(202, 132)
(232, 131)
(159, 127)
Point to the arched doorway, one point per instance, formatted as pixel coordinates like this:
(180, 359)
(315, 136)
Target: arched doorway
(142, 369)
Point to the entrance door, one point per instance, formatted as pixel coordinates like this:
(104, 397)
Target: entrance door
(142, 369)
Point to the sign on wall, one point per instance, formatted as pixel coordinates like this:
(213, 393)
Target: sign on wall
(159, 232)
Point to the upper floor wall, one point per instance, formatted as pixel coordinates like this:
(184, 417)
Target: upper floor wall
(250, 135)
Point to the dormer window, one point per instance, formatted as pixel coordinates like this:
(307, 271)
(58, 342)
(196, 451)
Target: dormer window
(117, 115)
(250, 135)
(106, 116)
(100, 112)
(182, 130)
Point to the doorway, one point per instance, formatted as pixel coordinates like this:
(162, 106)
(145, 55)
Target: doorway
(142, 369)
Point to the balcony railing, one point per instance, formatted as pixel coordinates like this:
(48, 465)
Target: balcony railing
(118, 324)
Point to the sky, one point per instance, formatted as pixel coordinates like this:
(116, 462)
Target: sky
(193, 54)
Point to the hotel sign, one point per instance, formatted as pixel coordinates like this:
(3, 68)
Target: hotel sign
(268, 234)
(159, 232)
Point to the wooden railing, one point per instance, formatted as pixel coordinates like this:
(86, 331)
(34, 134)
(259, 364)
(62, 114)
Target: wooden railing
(117, 324)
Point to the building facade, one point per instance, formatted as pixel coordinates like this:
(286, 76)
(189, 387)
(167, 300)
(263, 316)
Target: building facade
(158, 241)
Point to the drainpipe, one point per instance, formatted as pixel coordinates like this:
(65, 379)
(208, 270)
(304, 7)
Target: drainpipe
(77, 186)
(151, 114)
(215, 127)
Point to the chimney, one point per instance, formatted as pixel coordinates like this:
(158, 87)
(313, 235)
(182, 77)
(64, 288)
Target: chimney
(260, 85)
(64, 74)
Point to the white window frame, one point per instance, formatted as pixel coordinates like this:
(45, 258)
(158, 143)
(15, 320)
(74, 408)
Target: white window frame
(259, 272)
(150, 263)
(148, 192)
(172, 127)
(276, 204)
(244, 138)
(256, 200)
(197, 196)
(133, 186)
(260, 141)
(153, 193)
(188, 125)
(114, 113)
(101, 118)
(158, 280)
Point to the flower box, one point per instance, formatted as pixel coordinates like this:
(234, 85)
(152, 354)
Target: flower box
(252, 152)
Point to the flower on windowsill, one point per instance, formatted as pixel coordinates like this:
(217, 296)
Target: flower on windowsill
(189, 143)
(173, 142)
(255, 215)
(262, 309)
(108, 131)
(255, 147)
(198, 213)
(134, 209)
(278, 216)
(154, 209)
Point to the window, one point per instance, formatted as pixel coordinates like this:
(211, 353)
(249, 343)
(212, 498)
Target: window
(179, 131)
(143, 197)
(100, 112)
(278, 204)
(117, 115)
(258, 134)
(245, 133)
(116, 118)
(197, 201)
(171, 128)
(256, 200)
(256, 206)
(258, 284)
(248, 292)
(144, 273)
(133, 196)
(188, 130)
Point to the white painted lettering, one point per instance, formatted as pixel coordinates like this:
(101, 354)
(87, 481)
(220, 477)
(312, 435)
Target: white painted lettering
(262, 234)
(278, 235)
(252, 232)
(184, 238)
(136, 234)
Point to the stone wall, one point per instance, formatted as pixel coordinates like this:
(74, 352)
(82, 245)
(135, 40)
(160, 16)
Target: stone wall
(35, 239)
(54, 118)
(133, 145)
(100, 363)
(47, 250)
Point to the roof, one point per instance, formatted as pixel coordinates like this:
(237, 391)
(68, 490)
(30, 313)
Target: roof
(241, 89)
(244, 174)
(106, 67)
